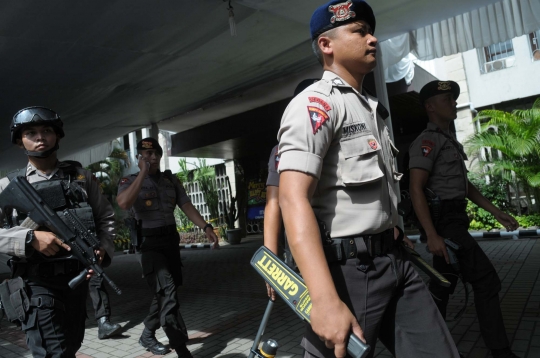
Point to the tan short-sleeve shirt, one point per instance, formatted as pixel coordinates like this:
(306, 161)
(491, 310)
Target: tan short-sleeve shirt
(437, 153)
(156, 201)
(332, 132)
(273, 163)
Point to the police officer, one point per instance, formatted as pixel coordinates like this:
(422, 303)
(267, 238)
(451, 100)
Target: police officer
(54, 322)
(437, 162)
(100, 297)
(337, 166)
(153, 196)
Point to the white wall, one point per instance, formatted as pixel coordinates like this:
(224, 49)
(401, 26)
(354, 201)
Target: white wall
(520, 80)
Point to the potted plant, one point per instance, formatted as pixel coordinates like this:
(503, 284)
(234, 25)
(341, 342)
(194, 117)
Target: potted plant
(234, 235)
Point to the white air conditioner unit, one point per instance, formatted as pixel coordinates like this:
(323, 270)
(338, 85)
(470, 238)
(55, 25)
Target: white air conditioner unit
(495, 65)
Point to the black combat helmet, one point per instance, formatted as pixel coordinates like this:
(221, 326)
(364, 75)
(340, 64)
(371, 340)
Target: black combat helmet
(36, 115)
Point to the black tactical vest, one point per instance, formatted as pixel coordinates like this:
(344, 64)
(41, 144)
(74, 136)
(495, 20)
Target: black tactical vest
(59, 194)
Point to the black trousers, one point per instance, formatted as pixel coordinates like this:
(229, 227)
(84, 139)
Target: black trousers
(390, 302)
(56, 331)
(99, 297)
(476, 270)
(163, 273)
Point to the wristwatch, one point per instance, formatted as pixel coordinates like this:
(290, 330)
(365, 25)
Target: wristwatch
(208, 225)
(29, 238)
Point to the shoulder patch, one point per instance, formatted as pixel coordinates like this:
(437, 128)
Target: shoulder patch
(426, 150)
(428, 143)
(317, 117)
(123, 181)
(320, 101)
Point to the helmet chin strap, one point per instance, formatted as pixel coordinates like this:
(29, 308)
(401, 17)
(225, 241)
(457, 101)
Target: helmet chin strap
(44, 154)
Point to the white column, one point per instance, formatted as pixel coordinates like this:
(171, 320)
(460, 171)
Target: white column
(132, 148)
(145, 132)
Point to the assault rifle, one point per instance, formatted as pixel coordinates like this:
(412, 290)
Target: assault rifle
(290, 286)
(22, 196)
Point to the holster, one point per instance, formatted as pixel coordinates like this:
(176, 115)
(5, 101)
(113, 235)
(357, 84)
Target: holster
(14, 299)
(134, 227)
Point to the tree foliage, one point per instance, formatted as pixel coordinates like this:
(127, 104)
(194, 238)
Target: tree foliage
(509, 146)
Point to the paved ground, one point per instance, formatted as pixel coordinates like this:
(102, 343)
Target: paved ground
(223, 300)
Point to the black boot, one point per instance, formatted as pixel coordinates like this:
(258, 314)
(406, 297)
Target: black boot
(148, 340)
(183, 352)
(107, 329)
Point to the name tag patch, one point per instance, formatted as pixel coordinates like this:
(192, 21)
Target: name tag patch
(355, 128)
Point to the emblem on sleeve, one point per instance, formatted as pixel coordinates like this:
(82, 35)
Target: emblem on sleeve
(427, 142)
(341, 11)
(123, 181)
(373, 144)
(324, 105)
(277, 160)
(426, 150)
(317, 117)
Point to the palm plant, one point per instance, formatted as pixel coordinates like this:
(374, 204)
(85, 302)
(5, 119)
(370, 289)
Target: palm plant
(509, 145)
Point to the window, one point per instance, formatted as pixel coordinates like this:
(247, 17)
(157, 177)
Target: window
(496, 57)
(534, 39)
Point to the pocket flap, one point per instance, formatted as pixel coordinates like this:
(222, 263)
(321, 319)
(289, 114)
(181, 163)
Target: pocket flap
(359, 146)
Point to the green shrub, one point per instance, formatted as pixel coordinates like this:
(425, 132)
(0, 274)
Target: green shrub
(526, 221)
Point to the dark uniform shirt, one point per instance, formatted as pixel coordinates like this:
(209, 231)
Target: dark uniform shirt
(157, 199)
(439, 155)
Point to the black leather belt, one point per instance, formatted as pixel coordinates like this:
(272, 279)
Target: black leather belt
(453, 206)
(50, 269)
(343, 249)
(159, 231)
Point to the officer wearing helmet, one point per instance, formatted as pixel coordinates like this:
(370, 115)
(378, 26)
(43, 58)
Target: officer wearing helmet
(153, 195)
(53, 320)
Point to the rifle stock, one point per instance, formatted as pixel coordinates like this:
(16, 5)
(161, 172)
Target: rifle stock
(22, 196)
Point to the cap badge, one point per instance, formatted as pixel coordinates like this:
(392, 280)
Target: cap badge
(146, 144)
(342, 11)
(80, 177)
(444, 86)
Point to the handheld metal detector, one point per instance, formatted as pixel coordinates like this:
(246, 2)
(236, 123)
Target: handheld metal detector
(291, 288)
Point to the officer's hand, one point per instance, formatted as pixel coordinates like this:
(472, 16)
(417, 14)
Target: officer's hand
(333, 322)
(211, 235)
(89, 274)
(270, 291)
(507, 221)
(437, 246)
(144, 166)
(408, 242)
(48, 243)
(100, 253)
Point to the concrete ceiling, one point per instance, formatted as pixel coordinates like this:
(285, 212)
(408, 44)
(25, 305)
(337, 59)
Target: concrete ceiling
(112, 66)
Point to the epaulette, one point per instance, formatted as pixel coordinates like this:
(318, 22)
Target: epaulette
(16, 173)
(323, 86)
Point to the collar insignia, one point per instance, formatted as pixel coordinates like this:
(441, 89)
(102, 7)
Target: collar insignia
(342, 11)
(337, 82)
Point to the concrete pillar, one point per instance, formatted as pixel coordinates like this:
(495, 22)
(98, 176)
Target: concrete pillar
(145, 132)
(133, 148)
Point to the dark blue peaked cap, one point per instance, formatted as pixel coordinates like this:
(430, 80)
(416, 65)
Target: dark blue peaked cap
(340, 12)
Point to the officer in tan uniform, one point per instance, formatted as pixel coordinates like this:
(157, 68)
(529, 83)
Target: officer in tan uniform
(337, 167)
(437, 165)
(153, 195)
(54, 323)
